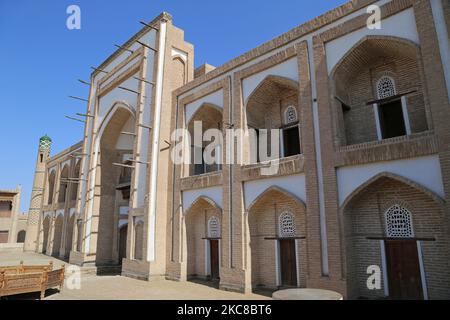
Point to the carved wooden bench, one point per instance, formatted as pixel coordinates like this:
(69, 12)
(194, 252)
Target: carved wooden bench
(21, 268)
(36, 280)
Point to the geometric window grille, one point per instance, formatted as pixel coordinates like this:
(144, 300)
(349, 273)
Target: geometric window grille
(386, 87)
(398, 222)
(213, 228)
(290, 115)
(286, 225)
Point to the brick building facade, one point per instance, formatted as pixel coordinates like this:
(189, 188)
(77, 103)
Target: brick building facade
(363, 165)
(13, 223)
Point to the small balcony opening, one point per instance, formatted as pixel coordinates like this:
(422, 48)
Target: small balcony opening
(291, 141)
(392, 121)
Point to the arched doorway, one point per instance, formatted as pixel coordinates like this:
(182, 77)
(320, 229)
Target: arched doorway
(397, 226)
(276, 222)
(115, 181)
(138, 239)
(123, 242)
(63, 184)
(21, 236)
(45, 233)
(51, 186)
(57, 235)
(69, 238)
(75, 184)
(203, 235)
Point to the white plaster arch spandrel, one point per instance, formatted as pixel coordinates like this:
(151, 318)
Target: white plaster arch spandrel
(115, 106)
(129, 99)
(213, 194)
(48, 214)
(59, 213)
(123, 222)
(294, 185)
(287, 69)
(215, 99)
(401, 25)
(423, 171)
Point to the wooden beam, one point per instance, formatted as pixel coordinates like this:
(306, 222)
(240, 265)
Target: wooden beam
(282, 238)
(147, 46)
(84, 115)
(123, 48)
(148, 25)
(123, 165)
(100, 70)
(401, 239)
(78, 98)
(75, 119)
(390, 99)
(84, 82)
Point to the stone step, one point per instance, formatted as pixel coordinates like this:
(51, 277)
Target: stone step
(101, 270)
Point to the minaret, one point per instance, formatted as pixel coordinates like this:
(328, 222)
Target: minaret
(37, 193)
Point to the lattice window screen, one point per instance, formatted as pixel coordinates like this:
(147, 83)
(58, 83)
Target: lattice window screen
(286, 225)
(213, 228)
(386, 87)
(290, 115)
(398, 222)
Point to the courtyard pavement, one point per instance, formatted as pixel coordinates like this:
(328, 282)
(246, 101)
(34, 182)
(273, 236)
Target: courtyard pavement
(95, 287)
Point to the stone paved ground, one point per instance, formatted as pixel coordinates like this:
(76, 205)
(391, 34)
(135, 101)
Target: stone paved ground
(95, 287)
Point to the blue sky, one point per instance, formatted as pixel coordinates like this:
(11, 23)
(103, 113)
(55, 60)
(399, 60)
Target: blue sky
(41, 60)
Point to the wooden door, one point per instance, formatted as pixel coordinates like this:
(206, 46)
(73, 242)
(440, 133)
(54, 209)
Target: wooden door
(288, 263)
(123, 243)
(214, 254)
(404, 278)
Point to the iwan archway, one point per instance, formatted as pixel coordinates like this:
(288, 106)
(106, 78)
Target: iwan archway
(203, 221)
(398, 226)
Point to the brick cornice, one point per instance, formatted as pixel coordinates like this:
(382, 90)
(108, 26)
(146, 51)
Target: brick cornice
(282, 40)
(422, 144)
(387, 10)
(216, 86)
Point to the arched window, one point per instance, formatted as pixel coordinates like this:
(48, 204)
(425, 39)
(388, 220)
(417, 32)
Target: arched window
(398, 222)
(213, 228)
(290, 115)
(51, 186)
(386, 87)
(286, 225)
(21, 236)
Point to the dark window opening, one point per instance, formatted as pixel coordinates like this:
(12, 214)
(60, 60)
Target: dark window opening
(392, 122)
(62, 193)
(125, 174)
(291, 141)
(203, 167)
(258, 159)
(125, 193)
(345, 107)
(79, 234)
(21, 236)
(199, 168)
(41, 156)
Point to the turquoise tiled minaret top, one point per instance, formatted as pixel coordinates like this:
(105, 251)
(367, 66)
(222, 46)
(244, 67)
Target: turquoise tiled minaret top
(45, 142)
